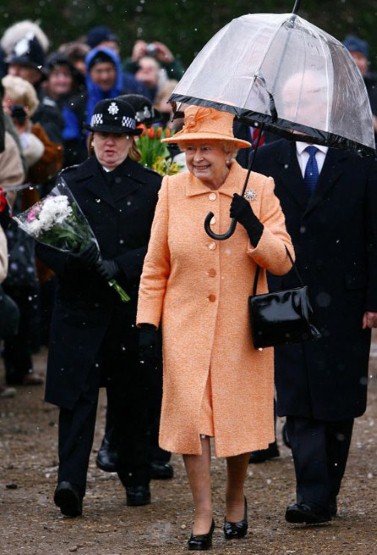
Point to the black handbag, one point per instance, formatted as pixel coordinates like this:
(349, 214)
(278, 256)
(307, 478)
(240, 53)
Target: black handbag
(281, 317)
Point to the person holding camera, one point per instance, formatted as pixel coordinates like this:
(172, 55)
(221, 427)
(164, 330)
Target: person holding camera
(161, 53)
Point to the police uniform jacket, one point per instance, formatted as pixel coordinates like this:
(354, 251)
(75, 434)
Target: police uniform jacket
(120, 215)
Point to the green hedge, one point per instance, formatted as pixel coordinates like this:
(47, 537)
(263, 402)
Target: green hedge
(184, 25)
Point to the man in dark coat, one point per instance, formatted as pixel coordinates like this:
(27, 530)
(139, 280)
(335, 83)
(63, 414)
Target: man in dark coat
(93, 337)
(27, 60)
(322, 386)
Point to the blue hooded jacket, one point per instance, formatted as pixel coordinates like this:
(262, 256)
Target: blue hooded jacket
(95, 94)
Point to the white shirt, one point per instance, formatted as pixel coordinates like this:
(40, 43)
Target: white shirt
(303, 156)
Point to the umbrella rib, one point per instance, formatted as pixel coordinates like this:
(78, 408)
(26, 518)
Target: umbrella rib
(258, 73)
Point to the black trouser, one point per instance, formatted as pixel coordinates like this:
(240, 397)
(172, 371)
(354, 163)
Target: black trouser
(126, 382)
(154, 377)
(320, 451)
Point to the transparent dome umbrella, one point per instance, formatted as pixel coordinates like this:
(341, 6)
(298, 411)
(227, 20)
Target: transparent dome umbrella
(280, 73)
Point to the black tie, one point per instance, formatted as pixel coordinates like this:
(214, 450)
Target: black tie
(311, 170)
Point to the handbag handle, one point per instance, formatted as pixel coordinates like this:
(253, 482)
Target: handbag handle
(293, 266)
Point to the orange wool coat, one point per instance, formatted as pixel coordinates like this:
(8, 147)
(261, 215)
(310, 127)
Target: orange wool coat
(199, 288)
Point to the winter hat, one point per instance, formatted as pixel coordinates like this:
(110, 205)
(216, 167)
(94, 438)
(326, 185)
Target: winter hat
(114, 116)
(202, 123)
(28, 52)
(145, 112)
(59, 59)
(355, 44)
(99, 34)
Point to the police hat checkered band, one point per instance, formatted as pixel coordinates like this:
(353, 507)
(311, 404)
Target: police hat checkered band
(128, 122)
(97, 119)
(144, 114)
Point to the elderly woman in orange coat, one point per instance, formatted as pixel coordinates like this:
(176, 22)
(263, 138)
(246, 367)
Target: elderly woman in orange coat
(216, 384)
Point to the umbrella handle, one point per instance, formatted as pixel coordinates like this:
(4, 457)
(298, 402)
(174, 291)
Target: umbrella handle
(222, 236)
(233, 221)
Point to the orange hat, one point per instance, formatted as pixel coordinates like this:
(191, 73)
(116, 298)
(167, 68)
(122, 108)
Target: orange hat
(203, 123)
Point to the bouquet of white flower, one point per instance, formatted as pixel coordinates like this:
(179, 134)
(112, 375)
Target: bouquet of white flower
(58, 221)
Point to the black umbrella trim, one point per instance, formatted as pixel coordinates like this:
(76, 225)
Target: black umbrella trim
(282, 127)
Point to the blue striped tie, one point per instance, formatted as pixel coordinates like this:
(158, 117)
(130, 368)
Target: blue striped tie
(311, 170)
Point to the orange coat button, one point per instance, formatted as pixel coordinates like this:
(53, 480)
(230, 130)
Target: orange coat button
(212, 196)
(212, 298)
(212, 272)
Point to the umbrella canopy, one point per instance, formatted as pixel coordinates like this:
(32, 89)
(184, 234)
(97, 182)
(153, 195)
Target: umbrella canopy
(281, 71)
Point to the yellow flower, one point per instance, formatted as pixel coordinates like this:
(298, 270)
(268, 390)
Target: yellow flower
(165, 166)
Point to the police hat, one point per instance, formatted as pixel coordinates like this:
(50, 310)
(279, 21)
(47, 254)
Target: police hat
(28, 52)
(113, 116)
(144, 109)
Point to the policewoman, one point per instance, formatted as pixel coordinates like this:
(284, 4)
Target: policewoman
(93, 337)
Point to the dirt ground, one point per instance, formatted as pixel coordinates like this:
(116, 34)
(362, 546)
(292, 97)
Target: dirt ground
(30, 524)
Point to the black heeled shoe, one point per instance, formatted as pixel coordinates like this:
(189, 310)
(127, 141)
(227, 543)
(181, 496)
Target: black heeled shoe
(236, 530)
(202, 542)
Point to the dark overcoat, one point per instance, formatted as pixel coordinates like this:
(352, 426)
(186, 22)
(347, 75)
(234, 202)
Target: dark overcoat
(85, 305)
(334, 234)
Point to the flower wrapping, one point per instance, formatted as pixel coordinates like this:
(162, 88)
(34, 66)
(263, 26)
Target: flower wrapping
(57, 220)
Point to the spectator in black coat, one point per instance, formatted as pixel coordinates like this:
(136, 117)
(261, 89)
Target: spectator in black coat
(27, 60)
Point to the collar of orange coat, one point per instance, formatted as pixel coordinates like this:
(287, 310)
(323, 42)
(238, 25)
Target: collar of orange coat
(233, 183)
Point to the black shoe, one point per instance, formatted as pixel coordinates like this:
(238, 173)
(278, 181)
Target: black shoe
(263, 455)
(202, 542)
(236, 530)
(68, 499)
(138, 495)
(161, 471)
(107, 457)
(300, 513)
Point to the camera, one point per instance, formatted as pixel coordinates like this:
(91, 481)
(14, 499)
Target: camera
(18, 114)
(151, 49)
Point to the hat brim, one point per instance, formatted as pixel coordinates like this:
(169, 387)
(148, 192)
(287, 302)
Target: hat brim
(187, 137)
(25, 61)
(115, 130)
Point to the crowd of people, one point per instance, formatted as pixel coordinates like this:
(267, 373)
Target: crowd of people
(177, 359)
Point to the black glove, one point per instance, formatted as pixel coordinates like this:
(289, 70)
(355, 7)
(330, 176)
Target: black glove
(147, 343)
(107, 269)
(84, 260)
(241, 210)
